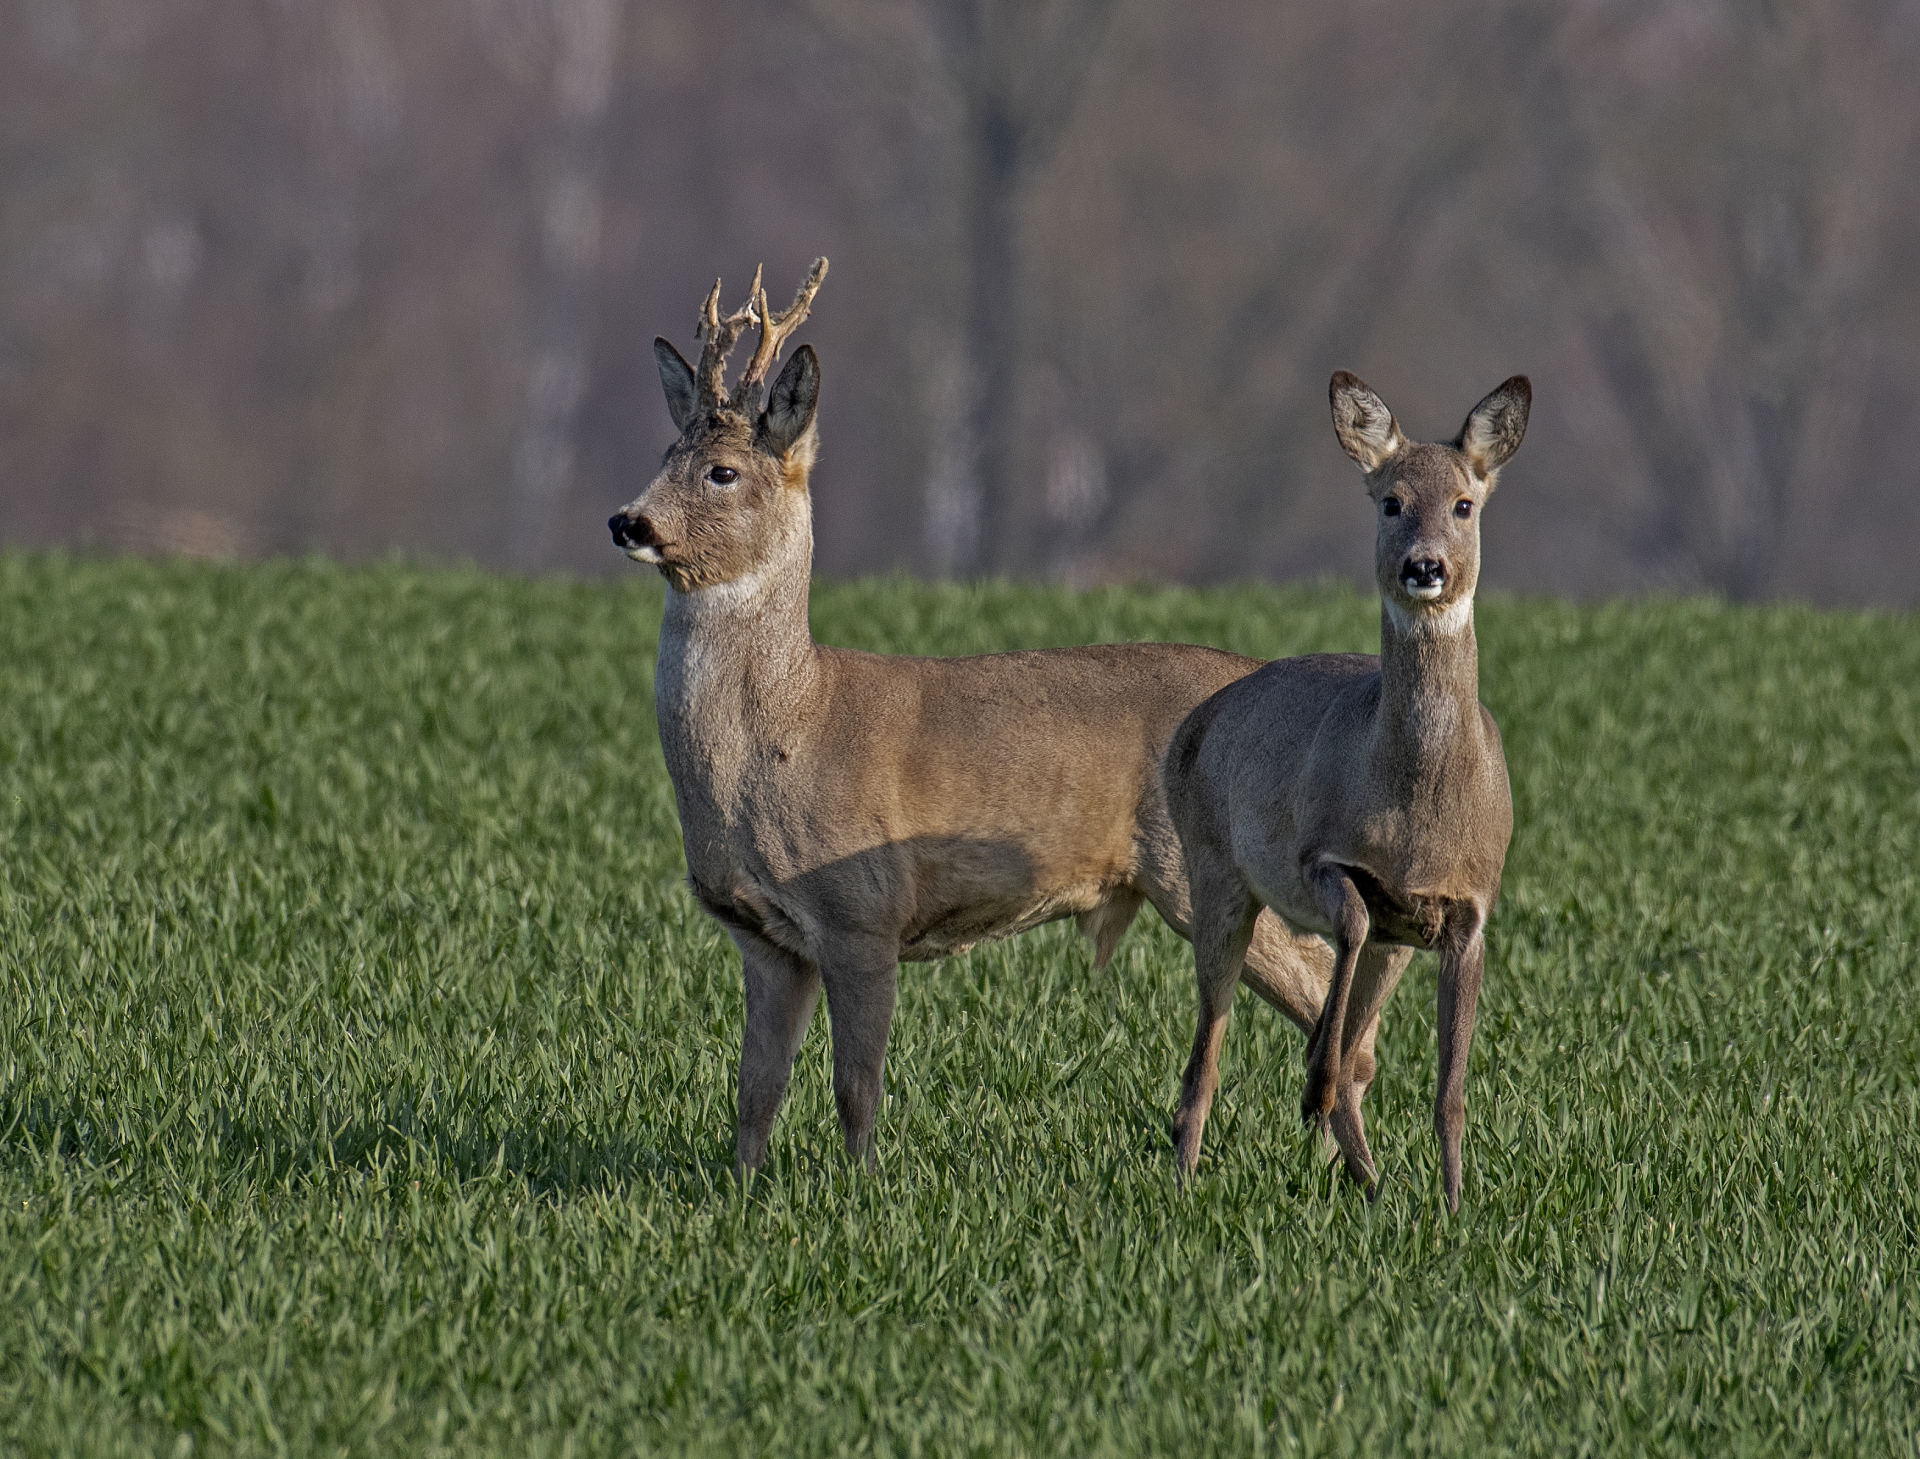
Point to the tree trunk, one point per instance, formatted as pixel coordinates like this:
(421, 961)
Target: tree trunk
(585, 34)
(993, 342)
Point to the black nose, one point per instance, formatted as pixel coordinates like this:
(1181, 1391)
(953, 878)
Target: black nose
(631, 531)
(1424, 573)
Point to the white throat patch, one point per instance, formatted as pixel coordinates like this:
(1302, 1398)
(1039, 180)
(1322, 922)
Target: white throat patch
(706, 639)
(1444, 624)
(727, 597)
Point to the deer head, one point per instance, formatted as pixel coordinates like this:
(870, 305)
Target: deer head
(731, 494)
(1428, 496)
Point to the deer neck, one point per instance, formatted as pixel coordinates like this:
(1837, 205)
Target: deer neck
(1429, 690)
(737, 660)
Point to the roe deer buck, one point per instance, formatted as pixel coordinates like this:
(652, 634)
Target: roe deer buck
(1359, 798)
(844, 811)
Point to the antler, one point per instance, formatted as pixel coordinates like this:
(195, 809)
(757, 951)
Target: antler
(720, 336)
(774, 330)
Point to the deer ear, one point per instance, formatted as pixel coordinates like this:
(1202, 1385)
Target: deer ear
(1494, 429)
(789, 409)
(676, 378)
(1366, 428)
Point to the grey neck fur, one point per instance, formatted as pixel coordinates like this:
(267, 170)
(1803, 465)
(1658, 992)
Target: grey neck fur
(741, 649)
(1429, 684)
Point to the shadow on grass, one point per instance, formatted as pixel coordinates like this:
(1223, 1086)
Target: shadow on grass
(403, 1138)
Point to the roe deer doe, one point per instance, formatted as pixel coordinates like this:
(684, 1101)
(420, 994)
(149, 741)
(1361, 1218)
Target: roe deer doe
(1362, 799)
(844, 811)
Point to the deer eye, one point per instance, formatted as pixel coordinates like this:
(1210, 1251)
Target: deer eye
(723, 476)
(1463, 509)
(1390, 506)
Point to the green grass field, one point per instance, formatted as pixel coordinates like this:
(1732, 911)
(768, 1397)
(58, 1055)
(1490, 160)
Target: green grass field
(366, 1069)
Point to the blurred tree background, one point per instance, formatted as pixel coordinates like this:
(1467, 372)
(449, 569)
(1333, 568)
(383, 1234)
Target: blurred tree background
(357, 275)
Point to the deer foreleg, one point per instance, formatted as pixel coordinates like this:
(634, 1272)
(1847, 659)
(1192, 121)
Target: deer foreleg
(860, 980)
(1349, 1128)
(1462, 958)
(1343, 906)
(781, 992)
(1375, 978)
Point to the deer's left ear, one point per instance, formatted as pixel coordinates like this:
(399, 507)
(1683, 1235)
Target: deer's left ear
(1496, 426)
(789, 411)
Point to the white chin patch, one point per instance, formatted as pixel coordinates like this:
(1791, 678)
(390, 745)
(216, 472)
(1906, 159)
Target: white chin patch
(1427, 592)
(650, 555)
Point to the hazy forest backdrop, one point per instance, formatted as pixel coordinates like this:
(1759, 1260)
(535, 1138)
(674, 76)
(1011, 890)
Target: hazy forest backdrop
(373, 274)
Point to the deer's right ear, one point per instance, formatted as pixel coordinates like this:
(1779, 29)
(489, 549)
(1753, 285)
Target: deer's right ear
(1366, 428)
(790, 408)
(676, 378)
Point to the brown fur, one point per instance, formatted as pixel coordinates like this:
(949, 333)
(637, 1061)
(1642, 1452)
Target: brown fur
(844, 811)
(1363, 800)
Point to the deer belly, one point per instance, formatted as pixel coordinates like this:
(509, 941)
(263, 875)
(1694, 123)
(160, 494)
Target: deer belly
(748, 908)
(971, 894)
(955, 929)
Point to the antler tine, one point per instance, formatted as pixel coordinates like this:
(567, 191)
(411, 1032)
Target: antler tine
(774, 331)
(720, 336)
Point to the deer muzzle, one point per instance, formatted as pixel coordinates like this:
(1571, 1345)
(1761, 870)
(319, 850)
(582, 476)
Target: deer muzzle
(1424, 577)
(633, 534)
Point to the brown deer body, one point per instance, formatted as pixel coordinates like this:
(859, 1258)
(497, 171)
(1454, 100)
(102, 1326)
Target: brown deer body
(844, 811)
(1364, 800)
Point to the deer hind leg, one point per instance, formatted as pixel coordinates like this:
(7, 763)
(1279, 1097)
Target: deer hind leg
(1375, 978)
(1289, 969)
(781, 992)
(1107, 923)
(1343, 906)
(1223, 920)
(861, 980)
(1463, 951)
